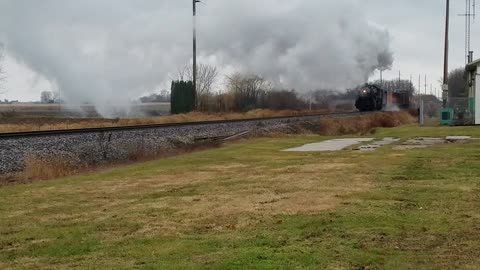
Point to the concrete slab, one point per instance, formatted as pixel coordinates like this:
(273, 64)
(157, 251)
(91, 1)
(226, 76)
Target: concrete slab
(330, 145)
(374, 146)
(424, 142)
(458, 138)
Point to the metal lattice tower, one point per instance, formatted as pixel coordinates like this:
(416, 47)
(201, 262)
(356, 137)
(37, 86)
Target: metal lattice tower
(470, 13)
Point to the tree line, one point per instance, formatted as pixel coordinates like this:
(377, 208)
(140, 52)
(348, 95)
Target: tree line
(246, 91)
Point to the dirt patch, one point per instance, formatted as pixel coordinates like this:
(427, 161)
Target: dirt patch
(424, 142)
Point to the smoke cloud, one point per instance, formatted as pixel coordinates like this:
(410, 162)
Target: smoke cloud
(111, 51)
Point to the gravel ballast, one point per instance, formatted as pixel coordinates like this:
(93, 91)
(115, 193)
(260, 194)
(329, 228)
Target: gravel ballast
(97, 147)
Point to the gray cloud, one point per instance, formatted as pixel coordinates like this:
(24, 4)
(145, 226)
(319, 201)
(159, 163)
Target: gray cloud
(110, 51)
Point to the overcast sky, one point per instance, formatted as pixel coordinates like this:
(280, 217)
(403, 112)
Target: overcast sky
(36, 62)
(417, 28)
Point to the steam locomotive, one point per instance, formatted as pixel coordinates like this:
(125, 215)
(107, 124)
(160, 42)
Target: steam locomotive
(373, 98)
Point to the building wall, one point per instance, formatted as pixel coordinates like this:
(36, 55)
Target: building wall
(477, 100)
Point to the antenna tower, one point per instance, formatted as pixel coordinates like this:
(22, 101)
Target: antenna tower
(470, 13)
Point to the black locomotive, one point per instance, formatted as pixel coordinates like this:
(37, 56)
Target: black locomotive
(371, 98)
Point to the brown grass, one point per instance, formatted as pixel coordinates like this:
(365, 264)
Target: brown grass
(49, 167)
(261, 191)
(362, 125)
(36, 124)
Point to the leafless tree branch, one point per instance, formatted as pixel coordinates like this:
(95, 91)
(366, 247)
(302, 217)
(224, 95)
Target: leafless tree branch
(206, 78)
(247, 89)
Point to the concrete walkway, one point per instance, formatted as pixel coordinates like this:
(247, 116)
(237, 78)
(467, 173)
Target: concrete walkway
(330, 145)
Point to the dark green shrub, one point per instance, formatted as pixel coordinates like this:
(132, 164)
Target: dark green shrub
(182, 97)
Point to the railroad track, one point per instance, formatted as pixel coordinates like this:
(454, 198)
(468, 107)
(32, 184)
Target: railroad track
(98, 145)
(13, 135)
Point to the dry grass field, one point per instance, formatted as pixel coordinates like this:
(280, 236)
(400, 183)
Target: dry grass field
(16, 124)
(46, 111)
(249, 205)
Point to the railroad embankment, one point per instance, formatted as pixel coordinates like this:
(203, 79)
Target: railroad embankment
(54, 154)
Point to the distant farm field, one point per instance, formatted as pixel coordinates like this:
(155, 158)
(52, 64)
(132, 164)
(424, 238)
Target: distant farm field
(249, 205)
(32, 110)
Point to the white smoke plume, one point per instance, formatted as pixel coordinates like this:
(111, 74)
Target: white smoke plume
(111, 51)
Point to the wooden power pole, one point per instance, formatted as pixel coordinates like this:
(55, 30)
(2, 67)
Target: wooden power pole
(194, 68)
(445, 63)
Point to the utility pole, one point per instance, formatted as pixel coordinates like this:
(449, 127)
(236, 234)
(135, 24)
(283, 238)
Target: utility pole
(399, 77)
(194, 68)
(425, 84)
(445, 60)
(411, 83)
(420, 84)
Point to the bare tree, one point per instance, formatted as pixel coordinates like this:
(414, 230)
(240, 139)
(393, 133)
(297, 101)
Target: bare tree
(247, 90)
(50, 97)
(46, 97)
(457, 83)
(206, 78)
(56, 97)
(284, 100)
(324, 98)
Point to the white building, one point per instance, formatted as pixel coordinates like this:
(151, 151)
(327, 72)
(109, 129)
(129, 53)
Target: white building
(473, 76)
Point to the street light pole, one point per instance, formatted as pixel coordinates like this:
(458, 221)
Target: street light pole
(194, 68)
(445, 66)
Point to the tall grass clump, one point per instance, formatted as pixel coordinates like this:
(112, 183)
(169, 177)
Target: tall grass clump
(49, 167)
(365, 124)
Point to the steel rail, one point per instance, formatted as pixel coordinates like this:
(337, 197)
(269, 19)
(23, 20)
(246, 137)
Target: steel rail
(12, 135)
